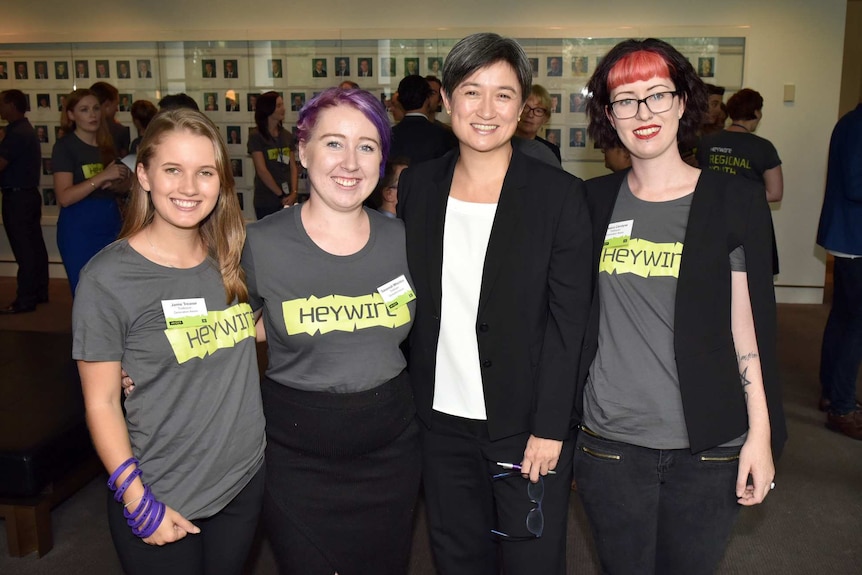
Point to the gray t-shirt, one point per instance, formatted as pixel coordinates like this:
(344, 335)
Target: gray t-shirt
(195, 419)
(327, 327)
(632, 394)
(276, 156)
(82, 160)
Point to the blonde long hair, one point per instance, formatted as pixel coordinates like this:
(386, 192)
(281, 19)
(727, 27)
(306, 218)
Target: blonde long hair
(223, 230)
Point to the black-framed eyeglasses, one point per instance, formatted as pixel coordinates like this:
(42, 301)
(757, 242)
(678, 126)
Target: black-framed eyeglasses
(535, 521)
(537, 112)
(656, 103)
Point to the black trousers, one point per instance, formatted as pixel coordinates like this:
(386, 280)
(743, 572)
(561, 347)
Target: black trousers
(22, 215)
(465, 503)
(221, 548)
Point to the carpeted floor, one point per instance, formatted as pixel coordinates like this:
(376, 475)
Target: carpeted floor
(810, 524)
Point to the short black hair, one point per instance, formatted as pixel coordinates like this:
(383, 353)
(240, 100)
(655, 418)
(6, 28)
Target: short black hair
(413, 92)
(17, 98)
(483, 49)
(713, 90)
(105, 92)
(181, 100)
(689, 87)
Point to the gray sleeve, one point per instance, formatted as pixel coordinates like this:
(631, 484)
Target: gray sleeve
(254, 299)
(99, 322)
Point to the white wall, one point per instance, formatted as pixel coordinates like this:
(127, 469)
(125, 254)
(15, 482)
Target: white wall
(796, 42)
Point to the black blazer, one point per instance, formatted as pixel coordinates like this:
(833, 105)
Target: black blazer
(419, 139)
(726, 212)
(534, 299)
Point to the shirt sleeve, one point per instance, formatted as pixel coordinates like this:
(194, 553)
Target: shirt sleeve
(99, 324)
(62, 158)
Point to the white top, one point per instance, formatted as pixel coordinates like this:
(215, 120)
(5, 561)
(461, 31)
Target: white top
(458, 377)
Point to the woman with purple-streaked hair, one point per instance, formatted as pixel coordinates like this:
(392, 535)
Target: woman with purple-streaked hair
(332, 281)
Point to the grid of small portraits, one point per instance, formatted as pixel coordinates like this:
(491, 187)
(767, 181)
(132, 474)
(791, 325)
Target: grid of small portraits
(225, 79)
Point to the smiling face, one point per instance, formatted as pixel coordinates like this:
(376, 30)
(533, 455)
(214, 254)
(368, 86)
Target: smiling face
(86, 114)
(342, 156)
(183, 180)
(648, 135)
(485, 107)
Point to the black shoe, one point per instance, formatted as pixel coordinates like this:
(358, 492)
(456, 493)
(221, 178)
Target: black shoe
(15, 308)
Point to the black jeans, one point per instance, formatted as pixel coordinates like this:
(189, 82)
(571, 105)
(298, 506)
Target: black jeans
(22, 215)
(221, 548)
(841, 354)
(657, 511)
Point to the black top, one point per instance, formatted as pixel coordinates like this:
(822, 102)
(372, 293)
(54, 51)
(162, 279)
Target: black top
(22, 150)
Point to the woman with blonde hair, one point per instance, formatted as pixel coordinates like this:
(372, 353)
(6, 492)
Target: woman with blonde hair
(536, 114)
(87, 182)
(169, 301)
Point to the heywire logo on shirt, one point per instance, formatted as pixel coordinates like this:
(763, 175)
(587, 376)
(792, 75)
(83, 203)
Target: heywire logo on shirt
(341, 313)
(223, 329)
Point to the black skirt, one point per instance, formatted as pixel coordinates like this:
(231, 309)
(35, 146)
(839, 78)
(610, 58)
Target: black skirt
(342, 478)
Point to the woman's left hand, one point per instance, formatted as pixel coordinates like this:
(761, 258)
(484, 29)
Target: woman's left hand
(755, 458)
(540, 456)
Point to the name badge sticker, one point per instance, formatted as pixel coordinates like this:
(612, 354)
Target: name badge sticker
(189, 312)
(619, 234)
(396, 293)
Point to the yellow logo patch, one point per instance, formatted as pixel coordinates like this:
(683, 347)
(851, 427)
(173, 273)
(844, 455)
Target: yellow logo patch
(223, 329)
(340, 313)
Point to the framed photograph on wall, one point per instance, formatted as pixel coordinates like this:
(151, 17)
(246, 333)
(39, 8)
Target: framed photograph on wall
(231, 101)
(555, 103)
(297, 101)
(22, 72)
(144, 68)
(210, 103)
(41, 133)
(82, 69)
(124, 70)
(580, 66)
(41, 70)
(706, 67)
(4, 74)
(534, 64)
(208, 68)
(577, 137)
(234, 135)
(435, 66)
(342, 67)
(365, 67)
(231, 69)
(43, 101)
(553, 135)
(251, 102)
(411, 66)
(387, 67)
(61, 70)
(318, 68)
(103, 70)
(555, 66)
(577, 102)
(274, 67)
(125, 103)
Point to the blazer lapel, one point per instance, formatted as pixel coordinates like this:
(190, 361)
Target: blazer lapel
(506, 220)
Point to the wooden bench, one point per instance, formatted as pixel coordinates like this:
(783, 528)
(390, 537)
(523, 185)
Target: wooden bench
(45, 450)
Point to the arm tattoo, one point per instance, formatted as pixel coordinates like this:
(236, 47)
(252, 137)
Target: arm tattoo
(748, 356)
(743, 375)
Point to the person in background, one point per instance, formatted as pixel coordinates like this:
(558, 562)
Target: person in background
(617, 158)
(181, 100)
(434, 100)
(20, 160)
(109, 100)
(499, 250)
(840, 233)
(186, 449)
(384, 198)
(273, 152)
(87, 183)
(342, 457)
(714, 119)
(536, 115)
(737, 150)
(143, 111)
(415, 137)
(680, 403)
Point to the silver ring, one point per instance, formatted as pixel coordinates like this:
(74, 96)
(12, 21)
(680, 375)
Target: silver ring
(772, 486)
